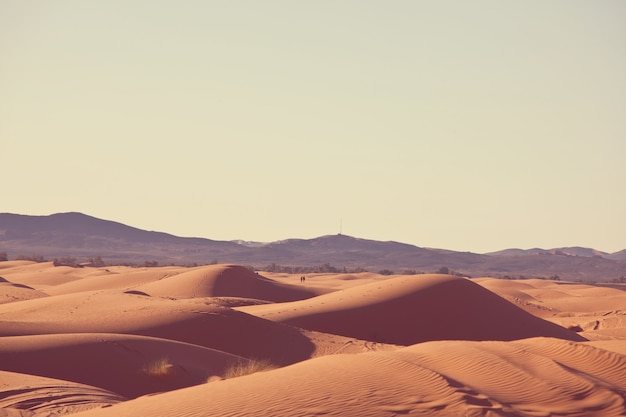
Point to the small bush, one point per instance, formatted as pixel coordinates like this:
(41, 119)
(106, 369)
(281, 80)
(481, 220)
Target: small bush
(242, 368)
(159, 368)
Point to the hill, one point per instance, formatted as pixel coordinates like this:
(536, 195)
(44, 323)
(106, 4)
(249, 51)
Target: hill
(79, 236)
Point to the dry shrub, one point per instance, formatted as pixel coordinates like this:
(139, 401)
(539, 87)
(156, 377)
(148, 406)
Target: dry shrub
(159, 368)
(242, 368)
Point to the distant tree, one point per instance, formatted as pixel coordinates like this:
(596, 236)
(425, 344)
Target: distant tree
(65, 261)
(271, 268)
(3, 256)
(33, 258)
(150, 264)
(385, 272)
(97, 261)
(443, 270)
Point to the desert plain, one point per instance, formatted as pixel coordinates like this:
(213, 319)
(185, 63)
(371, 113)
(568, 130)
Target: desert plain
(223, 340)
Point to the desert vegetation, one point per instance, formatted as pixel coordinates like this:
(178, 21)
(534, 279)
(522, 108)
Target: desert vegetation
(247, 367)
(315, 269)
(33, 258)
(159, 368)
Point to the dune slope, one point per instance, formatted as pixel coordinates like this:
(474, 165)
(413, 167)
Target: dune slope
(125, 364)
(532, 377)
(29, 395)
(412, 309)
(196, 321)
(11, 292)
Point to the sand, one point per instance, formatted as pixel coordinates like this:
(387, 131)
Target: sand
(222, 340)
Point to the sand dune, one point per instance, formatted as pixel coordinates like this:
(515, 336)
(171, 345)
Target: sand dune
(554, 296)
(95, 341)
(228, 281)
(110, 279)
(41, 278)
(28, 395)
(599, 313)
(335, 281)
(173, 282)
(196, 321)
(532, 377)
(125, 364)
(11, 292)
(412, 309)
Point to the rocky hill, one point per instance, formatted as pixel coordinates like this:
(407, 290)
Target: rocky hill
(81, 237)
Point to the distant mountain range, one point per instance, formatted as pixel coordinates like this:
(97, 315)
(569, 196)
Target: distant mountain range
(81, 236)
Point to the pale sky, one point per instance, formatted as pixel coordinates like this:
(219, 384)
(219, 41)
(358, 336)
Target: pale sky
(472, 126)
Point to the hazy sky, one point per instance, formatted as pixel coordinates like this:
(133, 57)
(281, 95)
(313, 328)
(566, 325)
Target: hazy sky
(472, 126)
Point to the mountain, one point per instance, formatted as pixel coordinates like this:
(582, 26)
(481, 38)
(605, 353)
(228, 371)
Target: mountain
(81, 236)
(518, 252)
(568, 251)
(618, 256)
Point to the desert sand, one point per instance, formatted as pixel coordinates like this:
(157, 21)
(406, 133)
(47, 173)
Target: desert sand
(222, 340)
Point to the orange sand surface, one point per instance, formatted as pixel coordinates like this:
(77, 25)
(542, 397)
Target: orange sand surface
(222, 340)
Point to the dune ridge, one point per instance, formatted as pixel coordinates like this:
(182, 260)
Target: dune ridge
(413, 309)
(228, 280)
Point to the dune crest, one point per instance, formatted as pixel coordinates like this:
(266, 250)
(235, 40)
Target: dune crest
(227, 281)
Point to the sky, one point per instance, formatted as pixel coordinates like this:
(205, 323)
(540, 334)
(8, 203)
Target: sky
(470, 126)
